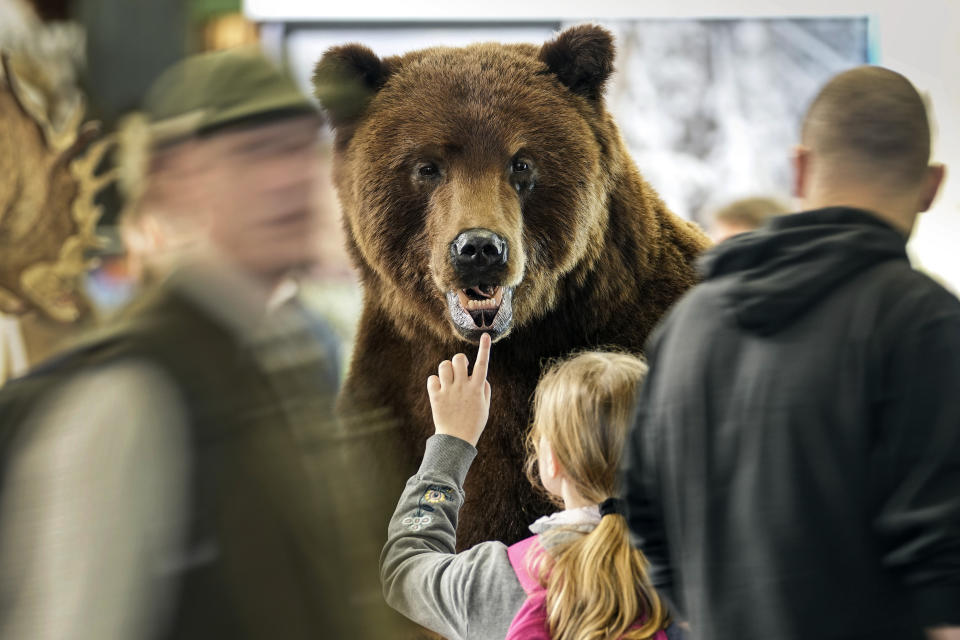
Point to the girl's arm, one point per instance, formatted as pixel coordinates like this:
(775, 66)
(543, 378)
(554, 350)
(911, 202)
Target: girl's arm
(474, 594)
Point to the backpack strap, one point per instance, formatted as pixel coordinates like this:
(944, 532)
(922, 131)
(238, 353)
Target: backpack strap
(521, 556)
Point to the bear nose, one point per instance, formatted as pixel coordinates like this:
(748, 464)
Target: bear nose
(476, 251)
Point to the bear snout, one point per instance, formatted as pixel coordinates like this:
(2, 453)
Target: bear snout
(481, 301)
(478, 255)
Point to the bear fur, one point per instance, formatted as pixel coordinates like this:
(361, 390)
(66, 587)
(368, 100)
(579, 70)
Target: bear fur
(515, 139)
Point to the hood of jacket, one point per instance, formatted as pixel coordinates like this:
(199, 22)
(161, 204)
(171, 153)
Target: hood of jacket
(785, 268)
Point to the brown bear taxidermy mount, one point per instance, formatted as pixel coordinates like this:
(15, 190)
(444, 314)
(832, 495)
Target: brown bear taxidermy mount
(487, 189)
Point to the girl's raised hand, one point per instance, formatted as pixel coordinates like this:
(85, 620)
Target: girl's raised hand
(460, 402)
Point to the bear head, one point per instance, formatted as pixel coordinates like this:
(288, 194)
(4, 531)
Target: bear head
(473, 179)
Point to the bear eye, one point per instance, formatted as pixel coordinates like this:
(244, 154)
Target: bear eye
(523, 173)
(427, 170)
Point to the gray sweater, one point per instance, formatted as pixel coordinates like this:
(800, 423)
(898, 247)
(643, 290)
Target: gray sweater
(474, 594)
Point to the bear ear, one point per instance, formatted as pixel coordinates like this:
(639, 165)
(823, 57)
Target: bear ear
(582, 58)
(345, 79)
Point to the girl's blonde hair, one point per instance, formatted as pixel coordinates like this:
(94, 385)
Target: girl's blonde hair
(597, 583)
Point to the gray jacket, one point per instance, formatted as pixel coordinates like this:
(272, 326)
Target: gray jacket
(474, 594)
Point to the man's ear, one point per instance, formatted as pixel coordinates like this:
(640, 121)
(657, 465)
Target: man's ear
(152, 234)
(931, 185)
(345, 80)
(800, 160)
(582, 58)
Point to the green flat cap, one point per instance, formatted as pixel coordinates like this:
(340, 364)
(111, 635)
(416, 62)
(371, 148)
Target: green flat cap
(209, 90)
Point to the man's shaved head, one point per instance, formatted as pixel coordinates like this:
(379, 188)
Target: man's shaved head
(870, 120)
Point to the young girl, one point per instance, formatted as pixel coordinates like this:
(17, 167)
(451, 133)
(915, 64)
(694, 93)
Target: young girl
(578, 577)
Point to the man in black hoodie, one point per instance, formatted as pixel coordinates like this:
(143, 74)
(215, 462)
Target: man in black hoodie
(794, 470)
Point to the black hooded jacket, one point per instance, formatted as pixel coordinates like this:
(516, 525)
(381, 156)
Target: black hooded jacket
(794, 469)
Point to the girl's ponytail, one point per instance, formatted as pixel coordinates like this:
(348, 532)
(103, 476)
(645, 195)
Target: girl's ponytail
(598, 588)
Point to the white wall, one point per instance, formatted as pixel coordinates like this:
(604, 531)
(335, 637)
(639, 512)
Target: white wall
(305, 47)
(920, 38)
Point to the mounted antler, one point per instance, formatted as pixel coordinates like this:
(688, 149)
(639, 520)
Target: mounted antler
(47, 210)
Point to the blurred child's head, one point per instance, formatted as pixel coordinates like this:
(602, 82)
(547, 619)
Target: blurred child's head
(744, 215)
(581, 413)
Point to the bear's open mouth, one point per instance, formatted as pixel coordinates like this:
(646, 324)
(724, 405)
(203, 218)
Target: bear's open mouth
(482, 302)
(482, 308)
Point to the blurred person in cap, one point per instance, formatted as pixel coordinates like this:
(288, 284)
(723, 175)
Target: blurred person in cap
(171, 478)
(744, 215)
(794, 469)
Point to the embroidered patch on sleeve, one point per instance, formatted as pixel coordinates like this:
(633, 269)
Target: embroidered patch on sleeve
(435, 494)
(415, 523)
